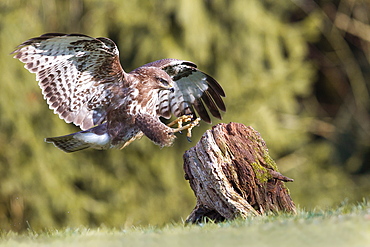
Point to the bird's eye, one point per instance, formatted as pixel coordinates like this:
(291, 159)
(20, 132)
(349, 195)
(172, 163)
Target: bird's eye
(163, 81)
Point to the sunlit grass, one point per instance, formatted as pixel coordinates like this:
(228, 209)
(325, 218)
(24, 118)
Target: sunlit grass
(347, 225)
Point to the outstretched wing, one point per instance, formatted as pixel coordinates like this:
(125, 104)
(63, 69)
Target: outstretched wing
(194, 91)
(76, 74)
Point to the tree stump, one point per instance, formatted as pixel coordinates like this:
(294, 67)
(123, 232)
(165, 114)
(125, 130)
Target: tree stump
(232, 175)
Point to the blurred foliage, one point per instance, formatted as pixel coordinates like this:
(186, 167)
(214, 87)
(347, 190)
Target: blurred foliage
(297, 71)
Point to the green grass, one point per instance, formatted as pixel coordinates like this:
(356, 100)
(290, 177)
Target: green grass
(348, 225)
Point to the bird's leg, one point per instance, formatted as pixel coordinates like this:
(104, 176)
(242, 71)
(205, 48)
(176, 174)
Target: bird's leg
(180, 120)
(187, 127)
(138, 136)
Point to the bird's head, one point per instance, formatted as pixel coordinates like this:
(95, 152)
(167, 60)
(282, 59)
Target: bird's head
(163, 80)
(153, 78)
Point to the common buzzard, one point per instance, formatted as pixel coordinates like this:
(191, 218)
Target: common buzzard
(83, 82)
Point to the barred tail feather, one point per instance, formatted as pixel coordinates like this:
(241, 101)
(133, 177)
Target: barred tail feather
(68, 143)
(96, 137)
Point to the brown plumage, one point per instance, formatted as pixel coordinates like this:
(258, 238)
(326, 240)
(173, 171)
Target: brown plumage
(82, 80)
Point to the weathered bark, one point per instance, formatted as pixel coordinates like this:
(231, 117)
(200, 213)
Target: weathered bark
(232, 175)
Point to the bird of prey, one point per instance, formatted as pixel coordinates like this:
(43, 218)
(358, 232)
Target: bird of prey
(83, 82)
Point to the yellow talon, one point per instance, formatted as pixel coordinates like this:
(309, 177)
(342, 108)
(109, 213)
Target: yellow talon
(187, 127)
(180, 120)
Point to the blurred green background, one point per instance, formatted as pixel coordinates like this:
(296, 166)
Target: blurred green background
(296, 71)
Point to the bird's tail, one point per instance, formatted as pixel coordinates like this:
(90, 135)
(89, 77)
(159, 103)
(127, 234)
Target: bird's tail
(95, 137)
(68, 143)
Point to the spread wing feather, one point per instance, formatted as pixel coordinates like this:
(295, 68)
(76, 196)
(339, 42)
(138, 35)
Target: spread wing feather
(76, 74)
(194, 91)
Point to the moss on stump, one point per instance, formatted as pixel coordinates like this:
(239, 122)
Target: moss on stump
(233, 175)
